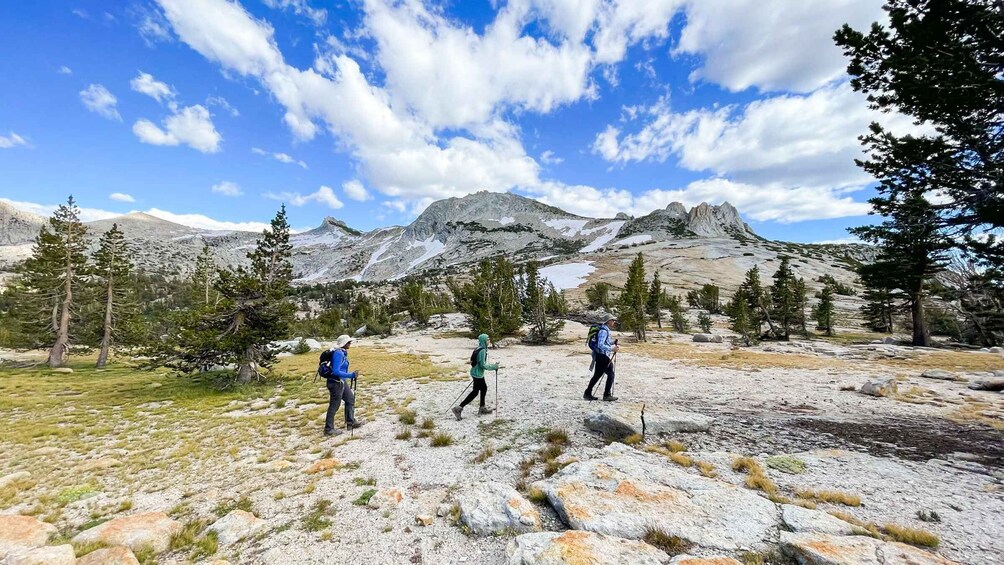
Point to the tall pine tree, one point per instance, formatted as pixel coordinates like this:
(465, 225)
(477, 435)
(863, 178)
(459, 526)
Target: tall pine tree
(112, 267)
(823, 311)
(785, 299)
(542, 326)
(655, 300)
(633, 299)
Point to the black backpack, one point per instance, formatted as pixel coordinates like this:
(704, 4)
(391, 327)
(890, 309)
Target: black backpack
(324, 368)
(474, 356)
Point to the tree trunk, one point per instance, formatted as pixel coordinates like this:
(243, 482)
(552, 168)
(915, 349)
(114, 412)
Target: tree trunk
(245, 371)
(106, 338)
(57, 355)
(921, 335)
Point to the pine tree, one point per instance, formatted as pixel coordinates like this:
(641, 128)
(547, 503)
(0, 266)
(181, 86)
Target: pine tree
(542, 326)
(753, 294)
(823, 311)
(676, 315)
(414, 298)
(654, 300)
(911, 249)
(707, 298)
(204, 276)
(113, 267)
(49, 278)
(251, 313)
(784, 302)
(633, 298)
(939, 63)
(879, 306)
(704, 321)
(556, 304)
(801, 303)
(491, 299)
(739, 315)
(598, 295)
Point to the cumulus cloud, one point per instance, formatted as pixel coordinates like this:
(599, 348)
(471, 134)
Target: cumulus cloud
(151, 25)
(192, 126)
(355, 190)
(64, 70)
(549, 158)
(99, 100)
(13, 140)
(301, 8)
(281, 157)
(227, 188)
(86, 214)
(323, 195)
(144, 83)
(121, 197)
(771, 45)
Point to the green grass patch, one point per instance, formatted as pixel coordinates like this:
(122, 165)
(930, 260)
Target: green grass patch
(317, 519)
(365, 497)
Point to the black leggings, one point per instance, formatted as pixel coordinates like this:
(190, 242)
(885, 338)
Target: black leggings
(604, 366)
(480, 386)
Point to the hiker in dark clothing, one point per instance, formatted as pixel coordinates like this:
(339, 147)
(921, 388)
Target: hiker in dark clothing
(340, 388)
(478, 367)
(604, 352)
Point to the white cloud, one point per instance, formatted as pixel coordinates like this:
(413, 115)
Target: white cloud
(227, 188)
(82, 14)
(222, 103)
(121, 197)
(300, 8)
(144, 83)
(86, 214)
(64, 70)
(323, 195)
(355, 190)
(99, 100)
(13, 140)
(281, 157)
(192, 126)
(841, 241)
(152, 26)
(771, 45)
(549, 158)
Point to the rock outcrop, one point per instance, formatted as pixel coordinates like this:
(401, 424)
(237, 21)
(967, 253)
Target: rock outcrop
(236, 526)
(826, 549)
(22, 533)
(117, 555)
(625, 493)
(575, 547)
(494, 508)
(625, 419)
(51, 555)
(881, 387)
(149, 530)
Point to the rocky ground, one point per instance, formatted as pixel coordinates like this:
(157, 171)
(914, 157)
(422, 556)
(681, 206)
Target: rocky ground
(178, 474)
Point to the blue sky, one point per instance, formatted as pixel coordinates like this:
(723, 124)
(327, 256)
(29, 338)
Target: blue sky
(212, 112)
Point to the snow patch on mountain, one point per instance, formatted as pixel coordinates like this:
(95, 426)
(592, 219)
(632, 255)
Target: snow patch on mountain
(432, 247)
(608, 232)
(634, 239)
(567, 227)
(569, 275)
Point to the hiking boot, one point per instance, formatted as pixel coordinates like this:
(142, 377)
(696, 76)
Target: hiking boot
(354, 425)
(485, 410)
(609, 398)
(587, 396)
(332, 433)
(457, 411)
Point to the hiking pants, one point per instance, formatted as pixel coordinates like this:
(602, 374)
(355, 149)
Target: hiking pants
(480, 386)
(603, 365)
(339, 390)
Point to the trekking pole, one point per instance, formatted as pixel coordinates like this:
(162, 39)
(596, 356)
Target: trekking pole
(461, 395)
(496, 394)
(352, 429)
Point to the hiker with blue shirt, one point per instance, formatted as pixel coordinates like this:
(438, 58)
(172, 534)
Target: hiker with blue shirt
(479, 364)
(603, 352)
(339, 386)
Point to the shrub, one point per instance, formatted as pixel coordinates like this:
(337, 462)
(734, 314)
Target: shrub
(365, 497)
(301, 348)
(317, 518)
(672, 545)
(557, 436)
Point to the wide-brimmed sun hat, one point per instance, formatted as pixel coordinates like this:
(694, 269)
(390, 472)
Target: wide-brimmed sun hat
(343, 340)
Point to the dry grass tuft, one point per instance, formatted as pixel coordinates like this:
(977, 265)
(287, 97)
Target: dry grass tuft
(428, 424)
(830, 496)
(681, 459)
(672, 545)
(706, 469)
(486, 454)
(404, 434)
(912, 536)
(747, 465)
(441, 440)
(633, 439)
(407, 417)
(536, 495)
(557, 436)
(675, 446)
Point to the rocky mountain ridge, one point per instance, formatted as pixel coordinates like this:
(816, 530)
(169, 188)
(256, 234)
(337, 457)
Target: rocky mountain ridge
(449, 235)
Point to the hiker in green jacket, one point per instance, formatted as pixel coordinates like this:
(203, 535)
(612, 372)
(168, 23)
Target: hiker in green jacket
(478, 368)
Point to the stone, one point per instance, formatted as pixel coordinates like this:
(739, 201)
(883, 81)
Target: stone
(236, 526)
(386, 498)
(118, 555)
(939, 374)
(624, 420)
(997, 350)
(277, 465)
(443, 510)
(625, 492)
(51, 555)
(360, 332)
(496, 508)
(21, 533)
(98, 464)
(148, 530)
(707, 338)
(574, 547)
(798, 519)
(826, 549)
(889, 340)
(883, 387)
(62, 370)
(992, 385)
(14, 477)
(322, 465)
(711, 560)
(425, 519)
(786, 464)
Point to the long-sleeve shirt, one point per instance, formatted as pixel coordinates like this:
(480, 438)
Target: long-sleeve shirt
(340, 365)
(603, 343)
